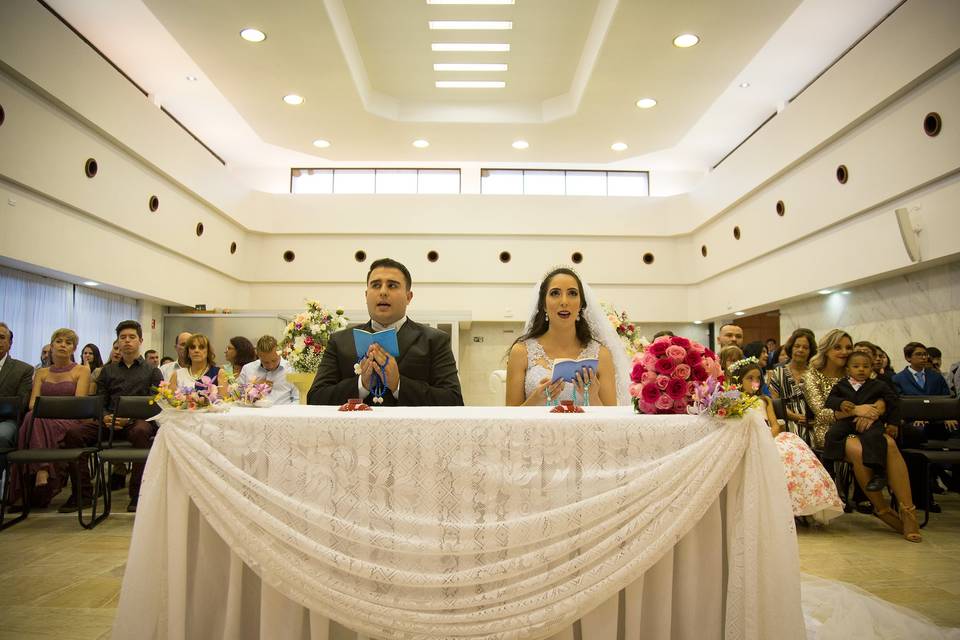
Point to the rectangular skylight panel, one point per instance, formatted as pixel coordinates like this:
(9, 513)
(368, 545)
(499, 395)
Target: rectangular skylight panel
(438, 181)
(470, 46)
(470, 84)
(470, 25)
(473, 66)
(501, 182)
(586, 183)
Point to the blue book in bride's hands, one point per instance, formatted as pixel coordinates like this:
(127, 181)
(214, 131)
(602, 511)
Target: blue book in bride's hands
(387, 339)
(567, 369)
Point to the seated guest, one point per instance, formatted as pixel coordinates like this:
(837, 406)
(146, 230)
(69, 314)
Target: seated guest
(564, 325)
(729, 355)
(812, 491)
(881, 366)
(131, 376)
(151, 357)
(425, 372)
(859, 389)
(786, 382)
(95, 375)
(238, 354)
(663, 333)
(16, 379)
(953, 378)
(90, 356)
(182, 359)
(165, 360)
(62, 378)
(936, 359)
(917, 379)
(272, 369)
(44, 358)
(202, 365)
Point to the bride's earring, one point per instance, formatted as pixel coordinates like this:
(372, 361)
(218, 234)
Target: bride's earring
(546, 316)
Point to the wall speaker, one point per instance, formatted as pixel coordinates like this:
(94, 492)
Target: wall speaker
(910, 233)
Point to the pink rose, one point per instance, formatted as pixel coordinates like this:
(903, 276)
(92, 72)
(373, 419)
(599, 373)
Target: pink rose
(308, 340)
(662, 382)
(649, 393)
(721, 413)
(637, 373)
(680, 341)
(693, 358)
(691, 388)
(649, 360)
(648, 376)
(713, 368)
(696, 347)
(675, 353)
(677, 389)
(649, 408)
(664, 403)
(636, 390)
(682, 371)
(680, 406)
(700, 373)
(664, 366)
(637, 358)
(658, 348)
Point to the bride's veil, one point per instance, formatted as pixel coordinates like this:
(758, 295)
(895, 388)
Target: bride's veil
(601, 330)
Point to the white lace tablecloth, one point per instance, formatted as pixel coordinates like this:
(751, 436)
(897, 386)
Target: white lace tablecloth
(461, 522)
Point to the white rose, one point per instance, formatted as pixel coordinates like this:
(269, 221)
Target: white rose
(298, 344)
(316, 328)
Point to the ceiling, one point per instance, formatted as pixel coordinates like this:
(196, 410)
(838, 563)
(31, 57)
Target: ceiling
(575, 71)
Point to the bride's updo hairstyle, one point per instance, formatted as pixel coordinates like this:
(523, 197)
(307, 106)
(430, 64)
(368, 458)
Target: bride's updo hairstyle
(539, 324)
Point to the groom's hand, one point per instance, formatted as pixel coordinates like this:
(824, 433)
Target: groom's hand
(366, 370)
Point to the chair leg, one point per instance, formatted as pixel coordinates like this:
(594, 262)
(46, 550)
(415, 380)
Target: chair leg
(108, 489)
(26, 500)
(98, 486)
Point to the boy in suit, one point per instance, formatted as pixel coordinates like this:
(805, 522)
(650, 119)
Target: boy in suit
(858, 388)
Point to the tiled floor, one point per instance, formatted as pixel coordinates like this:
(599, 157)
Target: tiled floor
(59, 581)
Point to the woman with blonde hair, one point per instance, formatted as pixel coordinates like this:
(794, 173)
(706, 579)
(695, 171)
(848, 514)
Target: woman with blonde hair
(826, 369)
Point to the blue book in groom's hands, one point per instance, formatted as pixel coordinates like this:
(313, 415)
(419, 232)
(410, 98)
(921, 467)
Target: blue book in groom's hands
(567, 369)
(387, 339)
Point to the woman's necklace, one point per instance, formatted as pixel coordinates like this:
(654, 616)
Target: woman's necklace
(198, 373)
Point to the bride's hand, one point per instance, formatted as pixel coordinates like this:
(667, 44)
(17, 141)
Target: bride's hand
(539, 395)
(586, 383)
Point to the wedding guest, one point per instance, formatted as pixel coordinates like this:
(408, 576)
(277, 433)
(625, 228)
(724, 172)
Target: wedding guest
(771, 345)
(824, 372)
(269, 367)
(151, 357)
(63, 377)
(560, 327)
(425, 373)
(936, 359)
(165, 359)
(729, 355)
(881, 366)
(239, 353)
(131, 376)
(182, 360)
(917, 378)
(729, 335)
(44, 358)
(16, 379)
(758, 350)
(786, 382)
(665, 332)
(95, 375)
(90, 356)
(953, 379)
(202, 365)
(812, 491)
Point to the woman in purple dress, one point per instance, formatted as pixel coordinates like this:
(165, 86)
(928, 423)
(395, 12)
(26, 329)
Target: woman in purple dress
(62, 378)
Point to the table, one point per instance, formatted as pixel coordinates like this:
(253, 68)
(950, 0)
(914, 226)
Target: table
(461, 522)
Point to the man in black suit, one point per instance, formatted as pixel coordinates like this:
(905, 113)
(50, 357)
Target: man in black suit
(16, 379)
(425, 372)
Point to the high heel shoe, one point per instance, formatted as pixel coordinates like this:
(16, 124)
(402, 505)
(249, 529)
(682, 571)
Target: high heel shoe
(891, 519)
(908, 518)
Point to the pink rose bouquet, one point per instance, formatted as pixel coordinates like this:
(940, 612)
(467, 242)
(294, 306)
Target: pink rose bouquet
(671, 374)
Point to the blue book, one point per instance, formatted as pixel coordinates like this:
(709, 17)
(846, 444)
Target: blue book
(567, 368)
(387, 339)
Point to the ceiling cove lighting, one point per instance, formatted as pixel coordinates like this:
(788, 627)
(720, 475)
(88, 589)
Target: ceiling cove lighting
(253, 35)
(421, 143)
(293, 99)
(520, 144)
(845, 293)
(646, 103)
(192, 78)
(744, 85)
(698, 322)
(825, 292)
(685, 40)
(492, 66)
(738, 313)
(470, 46)
(470, 1)
(619, 146)
(320, 143)
(470, 25)
(90, 283)
(470, 84)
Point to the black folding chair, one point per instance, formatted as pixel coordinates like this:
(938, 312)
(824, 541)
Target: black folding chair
(10, 409)
(120, 452)
(63, 408)
(929, 453)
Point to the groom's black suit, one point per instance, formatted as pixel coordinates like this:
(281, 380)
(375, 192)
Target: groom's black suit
(428, 372)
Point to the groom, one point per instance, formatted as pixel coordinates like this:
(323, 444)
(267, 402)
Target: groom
(425, 372)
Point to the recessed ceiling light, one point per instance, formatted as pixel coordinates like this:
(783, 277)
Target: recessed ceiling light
(520, 144)
(253, 35)
(744, 85)
(421, 143)
(470, 46)
(698, 322)
(646, 103)
(470, 84)
(470, 1)
(492, 66)
(738, 313)
(470, 25)
(293, 99)
(619, 146)
(90, 283)
(320, 143)
(192, 78)
(685, 40)
(846, 293)
(825, 292)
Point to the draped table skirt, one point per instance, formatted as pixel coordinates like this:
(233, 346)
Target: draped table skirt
(305, 522)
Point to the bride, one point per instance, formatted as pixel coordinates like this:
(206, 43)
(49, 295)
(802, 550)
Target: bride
(566, 322)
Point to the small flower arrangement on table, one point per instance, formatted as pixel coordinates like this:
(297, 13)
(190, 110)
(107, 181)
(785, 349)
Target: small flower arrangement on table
(203, 396)
(306, 336)
(724, 400)
(626, 330)
(669, 373)
(253, 394)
